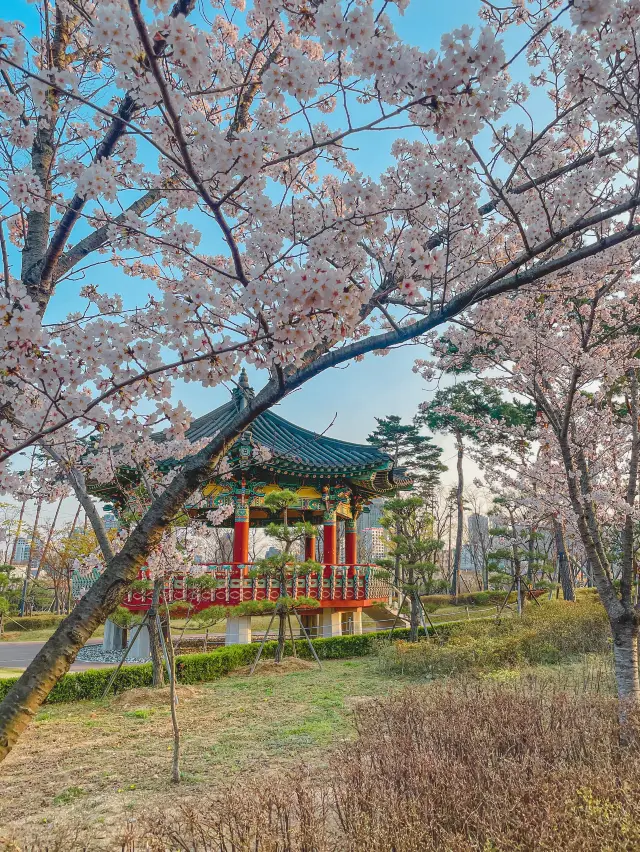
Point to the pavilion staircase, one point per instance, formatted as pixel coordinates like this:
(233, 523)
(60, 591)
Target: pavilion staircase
(385, 615)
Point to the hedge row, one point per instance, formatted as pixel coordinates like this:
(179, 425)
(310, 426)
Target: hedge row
(205, 667)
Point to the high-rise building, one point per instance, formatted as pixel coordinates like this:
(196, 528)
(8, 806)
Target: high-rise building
(478, 526)
(23, 549)
(373, 544)
(373, 517)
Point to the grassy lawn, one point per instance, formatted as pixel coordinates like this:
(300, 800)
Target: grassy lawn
(99, 760)
(93, 763)
(16, 634)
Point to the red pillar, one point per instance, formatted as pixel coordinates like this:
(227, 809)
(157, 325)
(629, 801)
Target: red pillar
(241, 536)
(330, 539)
(310, 547)
(350, 542)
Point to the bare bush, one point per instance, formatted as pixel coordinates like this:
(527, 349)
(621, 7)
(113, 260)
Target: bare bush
(465, 766)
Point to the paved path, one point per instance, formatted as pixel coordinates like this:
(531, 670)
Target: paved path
(18, 655)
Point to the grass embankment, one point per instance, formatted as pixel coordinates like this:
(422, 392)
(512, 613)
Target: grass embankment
(549, 633)
(533, 766)
(106, 759)
(34, 628)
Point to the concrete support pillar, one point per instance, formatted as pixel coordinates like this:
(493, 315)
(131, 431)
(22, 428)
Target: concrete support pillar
(330, 538)
(238, 630)
(350, 542)
(352, 622)
(141, 648)
(311, 623)
(114, 637)
(330, 622)
(357, 621)
(241, 536)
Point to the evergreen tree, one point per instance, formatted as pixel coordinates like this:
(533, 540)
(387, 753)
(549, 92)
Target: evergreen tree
(409, 449)
(411, 532)
(281, 566)
(415, 452)
(471, 410)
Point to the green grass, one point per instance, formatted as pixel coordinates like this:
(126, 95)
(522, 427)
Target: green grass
(104, 758)
(4, 672)
(15, 634)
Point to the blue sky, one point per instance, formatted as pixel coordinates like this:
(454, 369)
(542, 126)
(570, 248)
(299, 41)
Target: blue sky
(356, 393)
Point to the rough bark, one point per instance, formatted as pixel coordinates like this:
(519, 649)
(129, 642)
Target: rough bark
(414, 617)
(53, 660)
(531, 555)
(625, 654)
(282, 633)
(173, 697)
(564, 569)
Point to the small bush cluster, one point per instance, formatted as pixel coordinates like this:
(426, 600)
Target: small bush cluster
(454, 767)
(545, 634)
(201, 668)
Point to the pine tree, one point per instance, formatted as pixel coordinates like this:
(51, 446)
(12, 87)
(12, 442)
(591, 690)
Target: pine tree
(411, 532)
(471, 410)
(409, 449)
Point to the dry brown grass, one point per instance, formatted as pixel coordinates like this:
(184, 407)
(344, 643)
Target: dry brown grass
(288, 665)
(455, 768)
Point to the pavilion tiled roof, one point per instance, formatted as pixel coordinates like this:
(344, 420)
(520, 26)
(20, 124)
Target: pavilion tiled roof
(292, 445)
(296, 450)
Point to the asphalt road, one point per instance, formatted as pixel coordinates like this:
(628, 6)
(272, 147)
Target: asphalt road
(18, 655)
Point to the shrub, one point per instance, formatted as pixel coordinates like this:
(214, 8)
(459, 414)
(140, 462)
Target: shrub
(454, 767)
(545, 634)
(434, 602)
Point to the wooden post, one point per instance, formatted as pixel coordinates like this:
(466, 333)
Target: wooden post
(241, 536)
(350, 542)
(329, 556)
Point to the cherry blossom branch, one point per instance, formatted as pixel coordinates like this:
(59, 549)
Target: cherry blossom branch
(115, 389)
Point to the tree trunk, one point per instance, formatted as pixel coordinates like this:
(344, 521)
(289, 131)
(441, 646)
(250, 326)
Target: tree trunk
(157, 657)
(396, 565)
(414, 619)
(564, 570)
(173, 697)
(53, 660)
(531, 556)
(625, 655)
(455, 577)
(282, 633)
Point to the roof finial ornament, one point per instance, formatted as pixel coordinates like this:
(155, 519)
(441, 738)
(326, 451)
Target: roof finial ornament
(243, 393)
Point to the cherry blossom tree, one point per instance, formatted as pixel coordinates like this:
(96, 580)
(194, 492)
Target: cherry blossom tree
(210, 158)
(570, 345)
